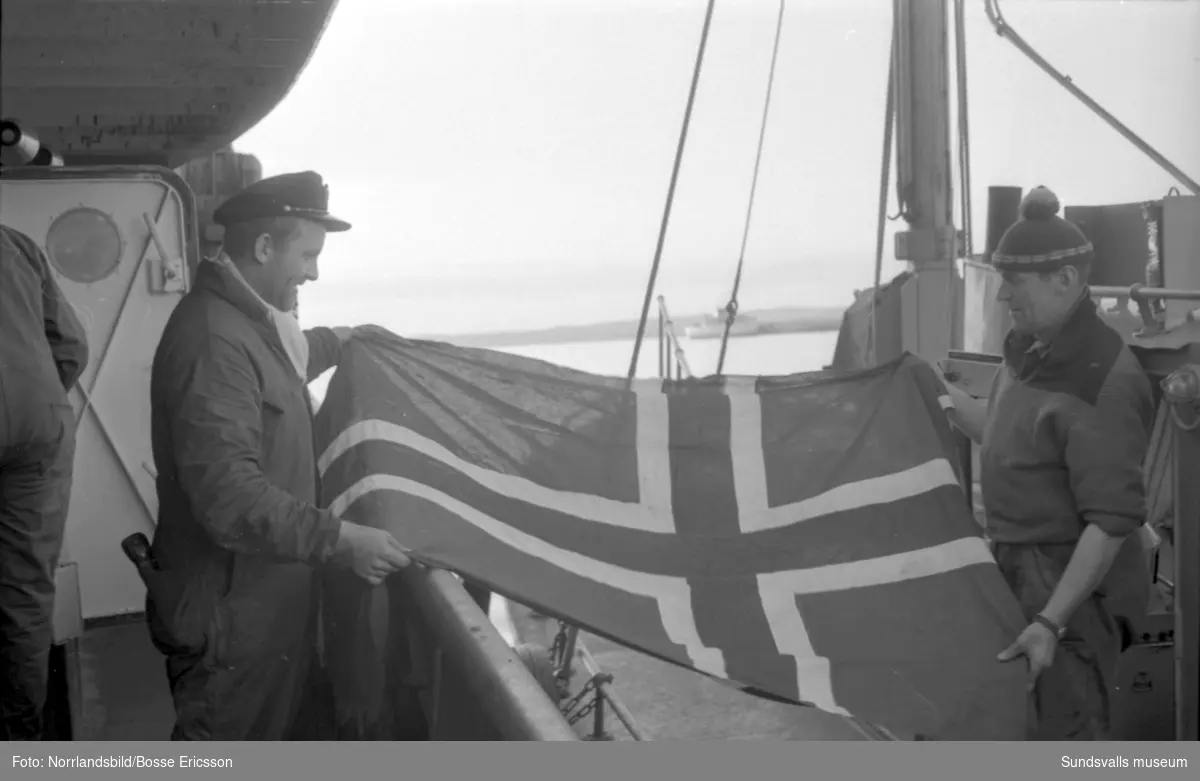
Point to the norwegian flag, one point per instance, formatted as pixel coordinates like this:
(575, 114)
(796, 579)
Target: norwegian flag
(806, 536)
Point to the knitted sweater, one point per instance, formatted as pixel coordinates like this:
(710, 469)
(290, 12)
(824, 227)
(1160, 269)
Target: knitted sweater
(1067, 432)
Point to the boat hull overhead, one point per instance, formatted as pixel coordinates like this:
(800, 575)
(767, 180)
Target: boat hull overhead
(136, 82)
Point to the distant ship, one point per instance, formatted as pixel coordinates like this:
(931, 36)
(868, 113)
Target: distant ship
(713, 326)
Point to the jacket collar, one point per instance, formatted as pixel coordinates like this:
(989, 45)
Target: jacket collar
(221, 278)
(1028, 355)
(217, 278)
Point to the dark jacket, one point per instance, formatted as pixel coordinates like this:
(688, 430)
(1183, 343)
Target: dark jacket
(41, 341)
(1067, 434)
(238, 526)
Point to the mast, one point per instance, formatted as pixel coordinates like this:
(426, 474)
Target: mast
(929, 301)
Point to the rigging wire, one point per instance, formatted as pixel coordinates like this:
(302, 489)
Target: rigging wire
(884, 176)
(904, 183)
(732, 307)
(662, 233)
(964, 134)
(964, 171)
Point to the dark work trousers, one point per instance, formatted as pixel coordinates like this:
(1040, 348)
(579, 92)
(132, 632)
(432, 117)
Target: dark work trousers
(239, 688)
(37, 450)
(1071, 699)
(260, 698)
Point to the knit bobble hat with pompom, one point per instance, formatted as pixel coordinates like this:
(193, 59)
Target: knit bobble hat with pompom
(1041, 240)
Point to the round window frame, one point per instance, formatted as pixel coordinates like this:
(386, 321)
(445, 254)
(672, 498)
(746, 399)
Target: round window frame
(100, 271)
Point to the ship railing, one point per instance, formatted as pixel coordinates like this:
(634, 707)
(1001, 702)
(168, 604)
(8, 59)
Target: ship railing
(672, 361)
(1145, 298)
(596, 696)
(473, 685)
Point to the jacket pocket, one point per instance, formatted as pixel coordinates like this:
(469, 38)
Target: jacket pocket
(267, 612)
(274, 411)
(183, 610)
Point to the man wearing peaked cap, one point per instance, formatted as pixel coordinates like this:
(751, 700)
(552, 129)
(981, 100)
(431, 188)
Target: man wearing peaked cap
(240, 536)
(302, 195)
(1064, 435)
(298, 202)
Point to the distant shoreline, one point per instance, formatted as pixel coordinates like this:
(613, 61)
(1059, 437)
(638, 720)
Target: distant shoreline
(783, 320)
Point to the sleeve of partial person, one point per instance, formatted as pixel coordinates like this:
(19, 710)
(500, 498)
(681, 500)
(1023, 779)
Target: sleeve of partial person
(324, 351)
(68, 340)
(217, 430)
(1106, 451)
(64, 332)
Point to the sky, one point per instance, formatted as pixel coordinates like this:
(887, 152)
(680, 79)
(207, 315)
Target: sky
(506, 163)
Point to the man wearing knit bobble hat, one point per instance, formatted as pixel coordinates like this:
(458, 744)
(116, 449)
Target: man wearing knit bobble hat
(1063, 437)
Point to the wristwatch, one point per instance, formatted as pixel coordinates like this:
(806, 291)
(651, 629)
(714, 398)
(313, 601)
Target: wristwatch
(1058, 631)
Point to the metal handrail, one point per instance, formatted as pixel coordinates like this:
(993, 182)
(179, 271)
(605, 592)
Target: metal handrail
(1135, 292)
(669, 347)
(1143, 296)
(605, 693)
(501, 686)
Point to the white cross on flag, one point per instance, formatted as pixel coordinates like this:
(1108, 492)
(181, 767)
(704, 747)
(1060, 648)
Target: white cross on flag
(806, 536)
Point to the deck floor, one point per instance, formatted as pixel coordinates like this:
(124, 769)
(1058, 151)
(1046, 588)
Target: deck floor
(673, 703)
(125, 694)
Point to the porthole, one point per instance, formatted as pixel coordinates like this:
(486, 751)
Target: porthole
(85, 245)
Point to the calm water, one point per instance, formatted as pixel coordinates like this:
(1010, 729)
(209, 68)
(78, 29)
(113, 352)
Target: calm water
(766, 354)
(755, 355)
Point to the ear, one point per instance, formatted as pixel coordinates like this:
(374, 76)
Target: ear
(263, 247)
(1067, 277)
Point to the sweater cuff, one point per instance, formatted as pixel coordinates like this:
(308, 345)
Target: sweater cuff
(1114, 525)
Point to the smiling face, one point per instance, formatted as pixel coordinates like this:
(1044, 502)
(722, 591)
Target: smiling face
(1040, 301)
(291, 265)
(283, 255)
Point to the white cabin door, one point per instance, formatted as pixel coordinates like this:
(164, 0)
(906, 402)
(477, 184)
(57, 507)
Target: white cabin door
(119, 242)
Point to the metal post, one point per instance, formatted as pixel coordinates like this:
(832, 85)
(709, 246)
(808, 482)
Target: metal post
(1187, 576)
(568, 658)
(662, 335)
(929, 298)
(598, 731)
(605, 691)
